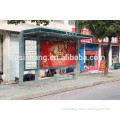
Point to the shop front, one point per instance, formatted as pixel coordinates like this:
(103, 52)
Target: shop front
(114, 52)
(91, 56)
(89, 52)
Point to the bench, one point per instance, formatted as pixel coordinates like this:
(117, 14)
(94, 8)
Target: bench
(57, 76)
(116, 65)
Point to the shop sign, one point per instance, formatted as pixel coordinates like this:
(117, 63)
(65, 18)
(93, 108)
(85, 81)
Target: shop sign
(54, 54)
(102, 65)
(114, 40)
(86, 32)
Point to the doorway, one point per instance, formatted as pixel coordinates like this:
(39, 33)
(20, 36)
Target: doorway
(92, 60)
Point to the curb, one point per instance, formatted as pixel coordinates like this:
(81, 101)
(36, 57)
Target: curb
(32, 96)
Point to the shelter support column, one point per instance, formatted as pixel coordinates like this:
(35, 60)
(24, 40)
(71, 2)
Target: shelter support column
(21, 55)
(38, 62)
(36, 76)
(78, 54)
(77, 67)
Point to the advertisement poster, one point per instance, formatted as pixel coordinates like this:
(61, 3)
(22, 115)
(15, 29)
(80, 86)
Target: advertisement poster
(60, 52)
(102, 66)
(30, 54)
(86, 32)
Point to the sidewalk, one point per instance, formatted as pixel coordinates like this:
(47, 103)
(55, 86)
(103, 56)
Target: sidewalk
(46, 87)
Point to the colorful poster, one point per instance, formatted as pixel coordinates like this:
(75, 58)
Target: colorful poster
(102, 65)
(54, 54)
(86, 32)
(30, 54)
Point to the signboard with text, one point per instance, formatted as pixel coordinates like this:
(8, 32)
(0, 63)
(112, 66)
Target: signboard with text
(55, 54)
(83, 31)
(102, 65)
(104, 41)
(86, 32)
(30, 54)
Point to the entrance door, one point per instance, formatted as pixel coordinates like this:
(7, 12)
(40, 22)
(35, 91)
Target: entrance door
(92, 60)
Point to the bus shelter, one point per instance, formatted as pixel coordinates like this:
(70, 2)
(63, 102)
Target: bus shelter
(43, 42)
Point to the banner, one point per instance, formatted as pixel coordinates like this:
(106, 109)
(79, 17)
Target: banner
(54, 54)
(102, 66)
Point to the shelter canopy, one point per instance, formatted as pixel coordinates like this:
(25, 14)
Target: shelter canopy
(54, 35)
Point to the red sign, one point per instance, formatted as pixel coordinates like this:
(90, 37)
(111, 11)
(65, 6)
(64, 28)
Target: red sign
(102, 66)
(86, 32)
(115, 41)
(118, 37)
(56, 54)
(86, 41)
(73, 30)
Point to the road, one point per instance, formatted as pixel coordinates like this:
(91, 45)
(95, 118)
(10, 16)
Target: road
(109, 91)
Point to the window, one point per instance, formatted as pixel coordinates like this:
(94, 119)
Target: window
(1, 58)
(58, 21)
(115, 54)
(71, 22)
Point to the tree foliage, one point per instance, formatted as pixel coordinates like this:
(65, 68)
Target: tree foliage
(38, 22)
(101, 28)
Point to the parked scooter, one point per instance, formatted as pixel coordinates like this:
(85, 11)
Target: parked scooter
(1, 80)
(50, 72)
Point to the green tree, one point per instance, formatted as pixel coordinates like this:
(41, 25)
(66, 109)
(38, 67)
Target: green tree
(38, 22)
(102, 29)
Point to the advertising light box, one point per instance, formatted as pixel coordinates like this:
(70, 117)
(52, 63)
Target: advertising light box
(56, 54)
(30, 54)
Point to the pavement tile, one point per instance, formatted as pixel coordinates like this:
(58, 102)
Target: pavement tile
(29, 89)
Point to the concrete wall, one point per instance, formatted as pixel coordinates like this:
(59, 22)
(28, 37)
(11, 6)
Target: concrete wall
(6, 55)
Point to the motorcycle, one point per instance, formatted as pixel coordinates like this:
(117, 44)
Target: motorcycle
(50, 72)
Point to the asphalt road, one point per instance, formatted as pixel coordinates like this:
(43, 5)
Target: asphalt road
(109, 91)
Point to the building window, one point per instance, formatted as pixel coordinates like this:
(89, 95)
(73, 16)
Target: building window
(58, 21)
(1, 55)
(71, 22)
(115, 54)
